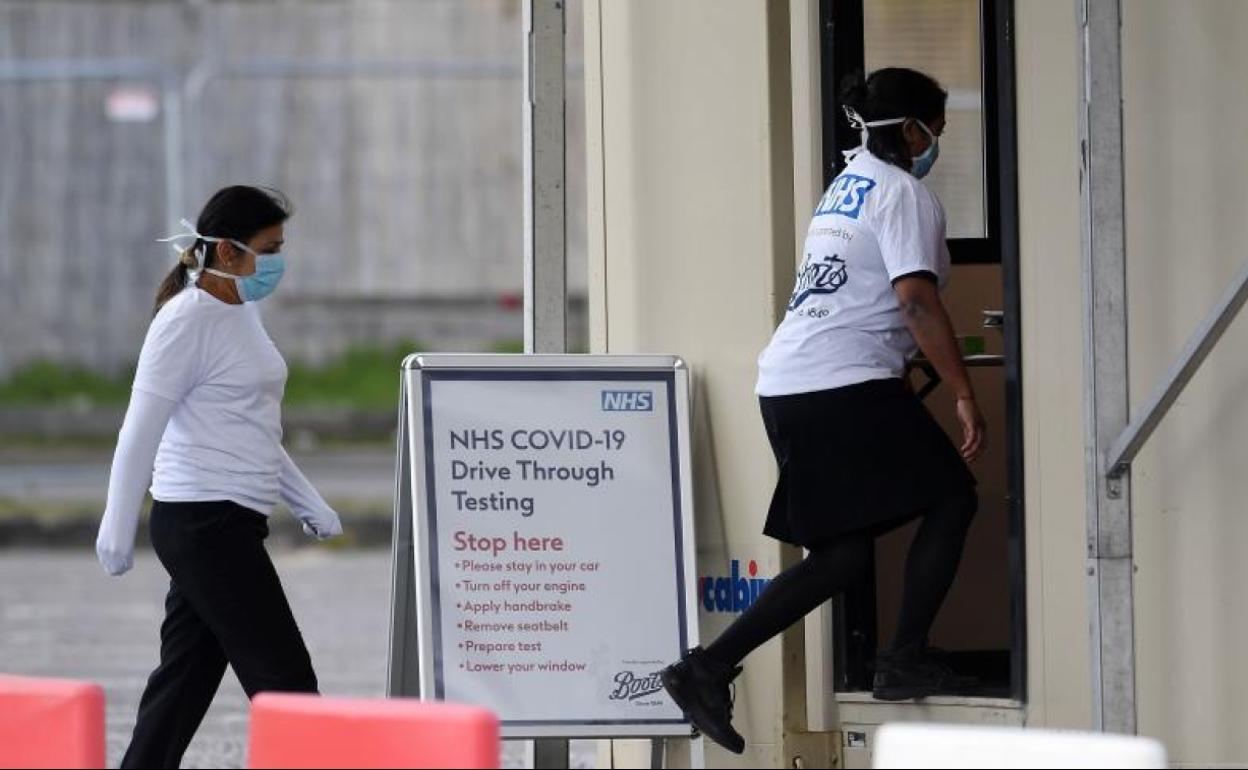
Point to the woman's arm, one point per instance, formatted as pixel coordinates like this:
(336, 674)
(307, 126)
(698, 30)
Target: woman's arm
(928, 321)
(319, 520)
(137, 443)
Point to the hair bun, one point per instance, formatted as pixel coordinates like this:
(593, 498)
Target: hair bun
(854, 91)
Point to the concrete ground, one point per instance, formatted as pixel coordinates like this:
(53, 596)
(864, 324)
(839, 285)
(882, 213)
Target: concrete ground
(60, 616)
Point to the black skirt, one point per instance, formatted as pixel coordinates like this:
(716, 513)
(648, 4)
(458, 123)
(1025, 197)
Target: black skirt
(865, 458)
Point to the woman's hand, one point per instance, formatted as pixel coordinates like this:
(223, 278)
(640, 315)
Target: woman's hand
(973, 429)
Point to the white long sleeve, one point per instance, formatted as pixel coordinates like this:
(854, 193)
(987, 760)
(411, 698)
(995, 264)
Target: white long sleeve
(307, 505)
(137, 444)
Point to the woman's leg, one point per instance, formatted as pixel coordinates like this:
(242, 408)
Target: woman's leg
(233, 586)
(907, 669)
(267, 652)
(179, 691)
(699, 682)
(931, 566)
(826, 571)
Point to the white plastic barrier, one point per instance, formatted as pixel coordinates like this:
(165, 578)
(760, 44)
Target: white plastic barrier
(960, 746)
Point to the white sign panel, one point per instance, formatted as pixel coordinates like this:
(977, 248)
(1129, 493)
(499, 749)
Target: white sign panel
(553, 538)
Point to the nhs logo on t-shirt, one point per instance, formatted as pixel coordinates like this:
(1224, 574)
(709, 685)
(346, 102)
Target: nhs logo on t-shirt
(846, 196)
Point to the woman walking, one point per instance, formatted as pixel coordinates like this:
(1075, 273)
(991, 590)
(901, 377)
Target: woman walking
(204, 427)
(857, 452)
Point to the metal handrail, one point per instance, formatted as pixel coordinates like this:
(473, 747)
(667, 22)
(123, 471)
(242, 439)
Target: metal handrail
(1198, 346)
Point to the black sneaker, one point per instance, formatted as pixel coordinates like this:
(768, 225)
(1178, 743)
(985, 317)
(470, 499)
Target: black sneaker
(916, 673)
(701, 687)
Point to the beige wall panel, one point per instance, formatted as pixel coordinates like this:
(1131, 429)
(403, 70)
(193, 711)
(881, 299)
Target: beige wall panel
(1187, 235)
(1060, 693)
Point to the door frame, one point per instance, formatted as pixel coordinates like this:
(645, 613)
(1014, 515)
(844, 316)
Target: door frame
(841, 52)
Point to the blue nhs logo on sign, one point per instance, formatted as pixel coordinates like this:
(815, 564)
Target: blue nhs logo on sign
(627, 401)
(846, 196)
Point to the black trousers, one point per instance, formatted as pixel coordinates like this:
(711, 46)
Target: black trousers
(225, 606)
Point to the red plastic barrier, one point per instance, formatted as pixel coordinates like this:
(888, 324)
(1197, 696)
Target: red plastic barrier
(305, 731)
(50, 723)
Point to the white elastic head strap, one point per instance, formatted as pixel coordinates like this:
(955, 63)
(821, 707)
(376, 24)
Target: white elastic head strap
(191, 234)
(856, 121)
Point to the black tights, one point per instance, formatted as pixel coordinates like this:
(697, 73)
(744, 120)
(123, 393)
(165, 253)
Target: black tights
(833, 567)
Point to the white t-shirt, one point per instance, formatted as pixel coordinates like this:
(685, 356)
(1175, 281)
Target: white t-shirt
(217, 363)
(876, 223)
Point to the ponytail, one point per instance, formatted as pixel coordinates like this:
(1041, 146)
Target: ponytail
(854, 92)
(177, 279)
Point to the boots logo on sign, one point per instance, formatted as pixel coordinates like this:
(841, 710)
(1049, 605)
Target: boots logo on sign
(631, 687)
(734, 593)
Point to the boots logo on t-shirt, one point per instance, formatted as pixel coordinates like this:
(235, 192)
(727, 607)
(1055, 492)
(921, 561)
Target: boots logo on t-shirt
(845, 196)
(822, 276)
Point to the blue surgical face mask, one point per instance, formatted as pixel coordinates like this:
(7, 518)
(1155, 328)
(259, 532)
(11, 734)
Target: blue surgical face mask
(252, 288)
(921, 164)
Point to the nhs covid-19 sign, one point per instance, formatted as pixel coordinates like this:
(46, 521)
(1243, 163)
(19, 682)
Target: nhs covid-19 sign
(538, 486)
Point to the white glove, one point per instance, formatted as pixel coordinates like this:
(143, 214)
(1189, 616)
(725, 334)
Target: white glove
(116, 558)
(323, 527)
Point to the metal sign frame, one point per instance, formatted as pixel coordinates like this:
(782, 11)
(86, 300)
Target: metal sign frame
(413, 648)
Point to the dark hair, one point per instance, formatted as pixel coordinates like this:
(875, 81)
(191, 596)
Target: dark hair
(237, 213)
(893, 92)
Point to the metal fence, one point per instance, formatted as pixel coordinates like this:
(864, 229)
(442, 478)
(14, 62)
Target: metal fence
(393, 125)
